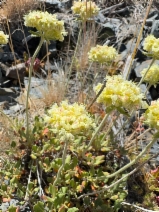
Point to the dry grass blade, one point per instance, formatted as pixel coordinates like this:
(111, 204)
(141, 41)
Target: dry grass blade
(15, 9)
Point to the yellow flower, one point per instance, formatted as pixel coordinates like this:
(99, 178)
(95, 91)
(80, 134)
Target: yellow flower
(47, 25)
(102, 54)
(151, 115)
(73, 118)
(3, 38)
(85, 9)
(151, 45)
(120, 93)
(152, 76)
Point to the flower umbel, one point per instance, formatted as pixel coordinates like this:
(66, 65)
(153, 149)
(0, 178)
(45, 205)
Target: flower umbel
(3, 38)
(151, 45)
(152, 115)
(85, 9)
(47, 25)
(152, 76)
(120, 93)
(102, 54)
(73, 118)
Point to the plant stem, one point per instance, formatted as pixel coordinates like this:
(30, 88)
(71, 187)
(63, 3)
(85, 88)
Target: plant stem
(133, 161)
(96, 132)
(62, 166)
(143, 77)
(29, 84)
(147, 89)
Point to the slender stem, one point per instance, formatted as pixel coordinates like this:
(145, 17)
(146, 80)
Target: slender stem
(62, 166)
(148, 87)
(96, 132)
(29, 84)
(143, 77)
(133, 161)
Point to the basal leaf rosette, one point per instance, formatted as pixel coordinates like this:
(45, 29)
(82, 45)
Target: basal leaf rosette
(47, 25)
(151, 115)
(152, 76)
(102, 54)
(120, 93)
(85, 9)
(3, 38)
(73, 118)
(151, 45)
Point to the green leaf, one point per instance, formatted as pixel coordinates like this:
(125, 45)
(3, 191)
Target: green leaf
(98, 160)
(13, 144)
(52, 189)
(39, 207)
(73, 209)
(33, 156)
(123, 111)
(12, 208)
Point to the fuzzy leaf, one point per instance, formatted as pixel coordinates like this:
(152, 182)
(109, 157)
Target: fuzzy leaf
(39, 207)
(12, 208)
(98, 160)
(73, 209)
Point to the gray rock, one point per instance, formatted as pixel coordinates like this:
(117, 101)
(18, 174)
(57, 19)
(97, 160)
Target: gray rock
(140, 67)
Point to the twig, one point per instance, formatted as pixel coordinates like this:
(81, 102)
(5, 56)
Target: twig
(108, 9)
(118, 181)
(41, 193)
(135, 206)
(26, 195)
(100, 91)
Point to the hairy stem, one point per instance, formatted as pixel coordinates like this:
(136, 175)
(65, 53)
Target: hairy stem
(29, 84)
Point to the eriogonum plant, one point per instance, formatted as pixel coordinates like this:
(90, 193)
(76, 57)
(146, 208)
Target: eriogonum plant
(102, 54)
(120, 93)
(85, 9)
(152, 76)
(47, 25)
(3, 38)
(73, 118)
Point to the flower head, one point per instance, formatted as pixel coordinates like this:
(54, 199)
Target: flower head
(120, 93)
(3, 38)
(102, 54)
(152, 115)
(47, 25)
(73, 118)
(85, 9)
(152, 76)
(151, 45)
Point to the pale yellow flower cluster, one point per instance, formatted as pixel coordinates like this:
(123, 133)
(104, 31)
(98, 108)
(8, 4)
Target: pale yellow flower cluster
(151, 115)
(47, 25)
(152, 76)
(85, 9)
(120, 93)
(3, 38)
(73, 118)
(151, 45)
(102, 54)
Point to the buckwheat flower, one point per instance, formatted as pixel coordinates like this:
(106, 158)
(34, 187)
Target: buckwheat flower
(102, 54)
(73, 118)
(151, 115)
(151, 45)
(120, 93)
(85, 9)
(152, 76)
(46, 24)
(3, 38)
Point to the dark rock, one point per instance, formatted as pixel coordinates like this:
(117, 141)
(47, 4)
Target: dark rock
(15, 72)
(8, 57)
(7, 94)
(52, 6)
(51, 49)
(66, 4)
